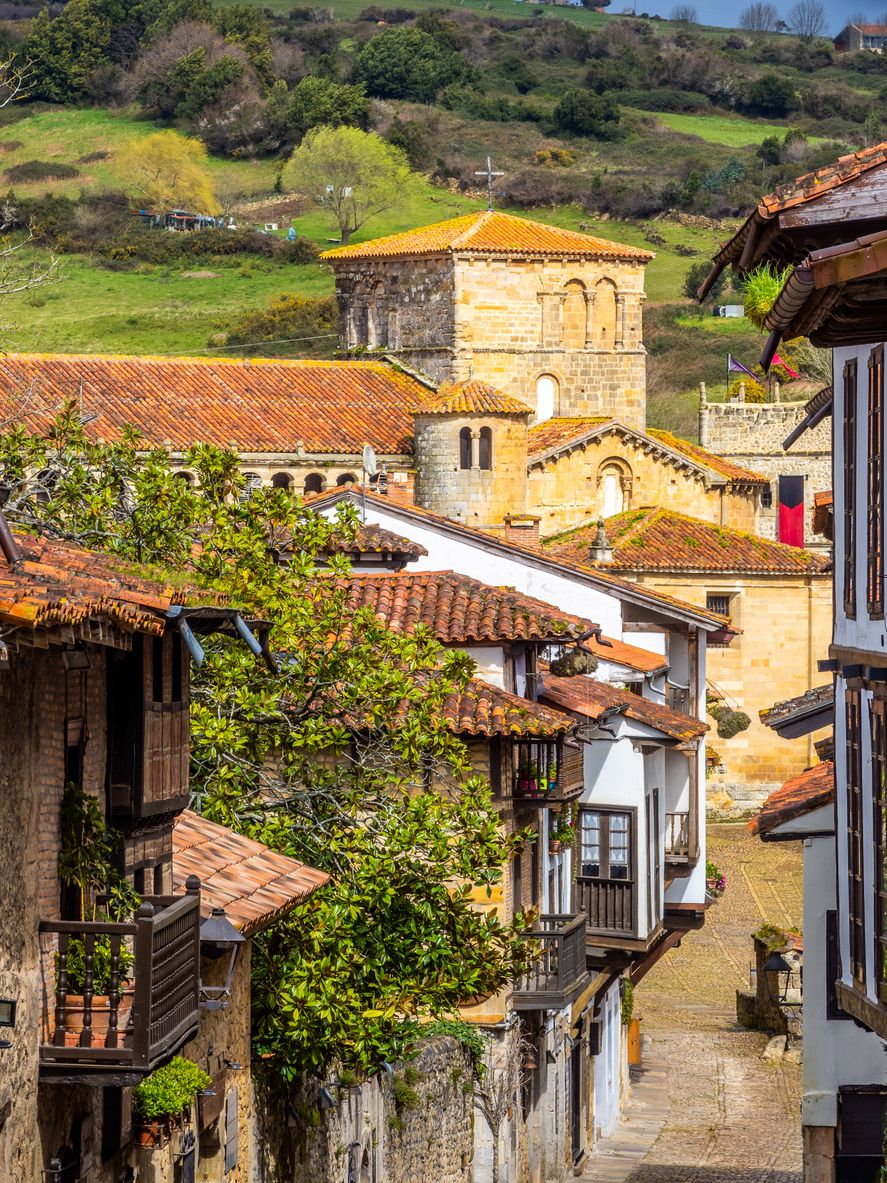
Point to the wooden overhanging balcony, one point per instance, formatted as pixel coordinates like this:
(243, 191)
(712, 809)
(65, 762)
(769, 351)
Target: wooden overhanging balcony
(543, 772)
(559, 971)
(123, 1033)
(681, 842)
(609, 905)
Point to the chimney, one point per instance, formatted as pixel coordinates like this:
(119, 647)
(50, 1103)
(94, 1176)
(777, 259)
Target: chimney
(601, 551)
(522, 528)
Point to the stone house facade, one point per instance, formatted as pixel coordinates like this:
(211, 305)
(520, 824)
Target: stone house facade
(94, 700)
(753, 435)
(561, 312)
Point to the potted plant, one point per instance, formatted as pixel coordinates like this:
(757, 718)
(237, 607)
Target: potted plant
(85, 863)
(715, 881)
(165, 1097)
(552, 777)
(563, 830)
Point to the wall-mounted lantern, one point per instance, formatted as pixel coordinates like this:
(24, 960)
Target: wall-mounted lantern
(219, 938)
(776, 967)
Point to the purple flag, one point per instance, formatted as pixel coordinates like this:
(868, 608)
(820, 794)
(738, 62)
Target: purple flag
(736, 367)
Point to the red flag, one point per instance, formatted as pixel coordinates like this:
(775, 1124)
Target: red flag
(777, 361)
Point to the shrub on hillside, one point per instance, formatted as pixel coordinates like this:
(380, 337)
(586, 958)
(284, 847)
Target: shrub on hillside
(772, 95)
(493, 108)
(390, 16)
(415, 140)
(303, 325)
(665, 99)
(408, 63)
(41, 170)
(588, 114)
(143, 245)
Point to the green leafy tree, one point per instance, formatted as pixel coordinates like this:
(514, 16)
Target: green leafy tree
(696, 273)
(342, 758)
(408, 63)
(588, 114)
(772, 95)
(316, 101)
(66, 50)
(353, 174)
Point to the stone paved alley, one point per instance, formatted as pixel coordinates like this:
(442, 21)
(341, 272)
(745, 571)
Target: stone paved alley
(709, 1109)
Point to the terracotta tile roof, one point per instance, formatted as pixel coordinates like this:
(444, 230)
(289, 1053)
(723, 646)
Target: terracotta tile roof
(558, 433)
(253, 405)
(472, 398)
(59, 583)
(255, 885)
(457, 609)
(631, 656)
(489, 232)
(801, 794)
(591, 699)
(372, 538)
(872, 30)
(654, 539)
(708, 459)
(484, 709)
(605, 579)
(810, 700)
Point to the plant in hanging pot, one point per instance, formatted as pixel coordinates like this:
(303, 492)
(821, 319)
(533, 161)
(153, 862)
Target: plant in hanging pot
(165, 1098)
(563, 830)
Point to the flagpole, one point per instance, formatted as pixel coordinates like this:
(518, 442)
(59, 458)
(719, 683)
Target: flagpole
(727, 388)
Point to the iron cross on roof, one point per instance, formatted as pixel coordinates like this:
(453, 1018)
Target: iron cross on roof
(491, 176)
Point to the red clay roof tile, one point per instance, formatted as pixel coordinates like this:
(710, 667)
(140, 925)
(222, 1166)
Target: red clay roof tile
(727, 468)
(590, 698)
(472, 398)
(254, 406)
(458, 609)
(484, 709)
(631, 656)
(800, 795)
(255, 885)
(655, 539)
(558, 433)
(488, 232)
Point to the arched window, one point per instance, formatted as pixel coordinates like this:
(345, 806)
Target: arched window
(314, 482)
(546, 397)
(378, 320)
(185, 476)
(281, 480)
(574, 315)
(252, 482)
(605, 315)
(485, 450)
(465, 448)
(614, 487)
(346, 478)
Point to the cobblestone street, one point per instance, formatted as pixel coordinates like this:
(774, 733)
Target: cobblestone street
(714, 1111)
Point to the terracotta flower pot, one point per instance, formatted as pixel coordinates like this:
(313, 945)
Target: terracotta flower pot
(100, 1018)
(150, 1133)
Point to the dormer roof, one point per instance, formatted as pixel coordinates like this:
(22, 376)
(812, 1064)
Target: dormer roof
(489, 232)
(472, 397)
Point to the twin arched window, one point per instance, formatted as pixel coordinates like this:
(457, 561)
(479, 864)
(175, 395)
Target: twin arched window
(281, 480)
(314, 482)
(484, 448)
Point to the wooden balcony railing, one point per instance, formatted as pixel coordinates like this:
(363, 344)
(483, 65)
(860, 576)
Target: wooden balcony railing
(681, 842)
(608, 904)
(150, 969)
(560, 967)
(541, 773)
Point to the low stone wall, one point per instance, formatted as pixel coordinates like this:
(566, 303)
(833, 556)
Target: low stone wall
(371, 1135)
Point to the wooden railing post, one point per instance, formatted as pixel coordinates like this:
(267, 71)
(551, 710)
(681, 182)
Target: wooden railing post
(61, 991)
(144, 990)
(88, 961)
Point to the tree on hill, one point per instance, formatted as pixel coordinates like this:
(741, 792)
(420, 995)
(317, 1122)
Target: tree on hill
(353, 174)
(684, 14)
(408, 63)
(167, 170)
(315, 101)
(759, 17)
(341, 758)
(696, 273)
(808, 19)
(588, 114)
(66, 50)
(772, 94)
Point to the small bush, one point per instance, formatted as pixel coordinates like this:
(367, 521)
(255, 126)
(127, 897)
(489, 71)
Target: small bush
(93, 157)
(158, 246)
(170, 1090)
(761, 288)
(10, 145)
(41, 170)
(306, 325)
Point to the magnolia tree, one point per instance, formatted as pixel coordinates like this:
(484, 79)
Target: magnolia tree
(341, 758)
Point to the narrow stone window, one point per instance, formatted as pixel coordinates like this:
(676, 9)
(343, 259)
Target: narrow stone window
(546, 397)
(465, 448)
(605, 315)
(485, 452)
(314, 482)
(346, 478)
(281, 480)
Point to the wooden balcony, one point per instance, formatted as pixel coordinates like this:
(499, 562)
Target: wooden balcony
(560, 968)
(609, 905)
(538, 773)
(118, 1037)
(681, 846)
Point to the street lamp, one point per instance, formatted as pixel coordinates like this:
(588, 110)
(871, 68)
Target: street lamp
(219, 937)
(777, 966)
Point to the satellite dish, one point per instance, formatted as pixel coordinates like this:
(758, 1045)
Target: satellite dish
(370, 467)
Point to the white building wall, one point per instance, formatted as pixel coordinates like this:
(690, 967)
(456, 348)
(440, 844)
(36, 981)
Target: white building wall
(608, 1065)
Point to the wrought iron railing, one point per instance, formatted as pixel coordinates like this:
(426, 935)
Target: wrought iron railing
(560, 965)
(149, 974)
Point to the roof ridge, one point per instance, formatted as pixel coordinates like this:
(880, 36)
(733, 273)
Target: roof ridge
(481, 219)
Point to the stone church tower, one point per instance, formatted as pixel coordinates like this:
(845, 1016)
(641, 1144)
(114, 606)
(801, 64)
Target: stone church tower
(548, 316)
(471, 454)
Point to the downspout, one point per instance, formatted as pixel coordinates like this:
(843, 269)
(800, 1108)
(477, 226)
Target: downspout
(8, 545)
(811, 660)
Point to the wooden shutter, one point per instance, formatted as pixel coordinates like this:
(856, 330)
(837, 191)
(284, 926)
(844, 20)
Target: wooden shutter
(849, 558)
(855, 881)
(231, 1129)
(879, 800)
(875, 482)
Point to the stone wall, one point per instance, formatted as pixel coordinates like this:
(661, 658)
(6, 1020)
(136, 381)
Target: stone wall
(367, 1135)
(751, 434)
(568, 489)
(475, 496)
